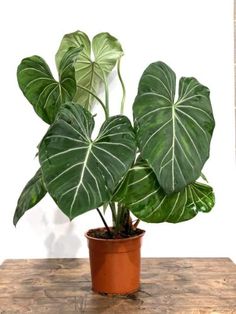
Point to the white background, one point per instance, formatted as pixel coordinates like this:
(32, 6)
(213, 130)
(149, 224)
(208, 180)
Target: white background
(195, 37)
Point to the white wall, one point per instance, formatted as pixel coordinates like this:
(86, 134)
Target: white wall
(195, 37)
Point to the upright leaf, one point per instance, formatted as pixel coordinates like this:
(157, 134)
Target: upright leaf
(142, 194)
(41, 89)
(32, 193)
(93, 64)
(107, 50)
(173, 136)
(81, 173)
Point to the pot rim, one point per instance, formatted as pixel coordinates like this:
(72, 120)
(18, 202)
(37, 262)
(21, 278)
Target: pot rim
(113, 240)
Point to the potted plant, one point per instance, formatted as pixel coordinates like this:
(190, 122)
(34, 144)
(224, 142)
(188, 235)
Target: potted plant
(149, 170)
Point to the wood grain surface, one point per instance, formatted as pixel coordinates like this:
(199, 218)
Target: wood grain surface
(169, 285)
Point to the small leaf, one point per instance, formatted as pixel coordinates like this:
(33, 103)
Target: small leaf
(142, 194)
(94, 62)
(41, 89)
(173, 136)
(32, 193)
(80, 173)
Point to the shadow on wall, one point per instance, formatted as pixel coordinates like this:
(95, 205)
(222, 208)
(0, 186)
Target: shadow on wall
(64, 242)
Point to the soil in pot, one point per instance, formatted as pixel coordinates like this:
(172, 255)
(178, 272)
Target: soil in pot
(102, 233)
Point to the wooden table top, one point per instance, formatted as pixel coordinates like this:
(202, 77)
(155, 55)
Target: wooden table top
(169, 285)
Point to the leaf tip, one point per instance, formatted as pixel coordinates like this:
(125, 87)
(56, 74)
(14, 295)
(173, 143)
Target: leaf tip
(16, 217)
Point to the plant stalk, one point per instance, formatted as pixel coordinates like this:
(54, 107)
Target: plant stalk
(113, 211)
(135, 225)
(97, 98)
(106, 95)
(104, 222)
(123, 88)
(104, 79)
(120, 218)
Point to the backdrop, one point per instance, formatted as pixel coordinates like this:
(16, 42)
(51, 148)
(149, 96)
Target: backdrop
(194, 37)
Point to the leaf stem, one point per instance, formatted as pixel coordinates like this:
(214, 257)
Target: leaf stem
(106, 90)
(135, 225)
(97, 98)
(123, 88)
(104, 222)
(120, 219)
(113, 211)
(106, 95)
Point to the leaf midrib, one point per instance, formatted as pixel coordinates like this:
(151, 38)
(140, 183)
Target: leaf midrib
(173, 147)
(82, 176)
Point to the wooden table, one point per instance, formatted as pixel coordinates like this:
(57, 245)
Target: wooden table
(169, 285)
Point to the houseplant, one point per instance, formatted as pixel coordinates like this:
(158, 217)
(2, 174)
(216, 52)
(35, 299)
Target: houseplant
(149, 170)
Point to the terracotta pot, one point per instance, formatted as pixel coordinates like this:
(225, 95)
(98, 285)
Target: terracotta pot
(115, 264)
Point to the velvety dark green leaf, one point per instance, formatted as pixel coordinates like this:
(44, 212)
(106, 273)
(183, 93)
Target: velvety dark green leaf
(41, 89)
(81, 173)
(94, 62)
(32, 193)
(142, 194)
(173, 136)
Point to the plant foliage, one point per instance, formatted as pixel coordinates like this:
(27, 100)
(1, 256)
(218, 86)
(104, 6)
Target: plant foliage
(171, 135)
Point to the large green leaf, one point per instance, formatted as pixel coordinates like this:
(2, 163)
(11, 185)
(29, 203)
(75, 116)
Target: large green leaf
(142, 194)
(81, 173)
(41, 89)
(32, 193)
(93, 64)
(173, 136)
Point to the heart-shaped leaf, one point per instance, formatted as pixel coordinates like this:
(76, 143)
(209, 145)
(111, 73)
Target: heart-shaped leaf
(173, 136)
(32, 193)
(41, 89)
(93, 64)
(81, 173)
(142, 194)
